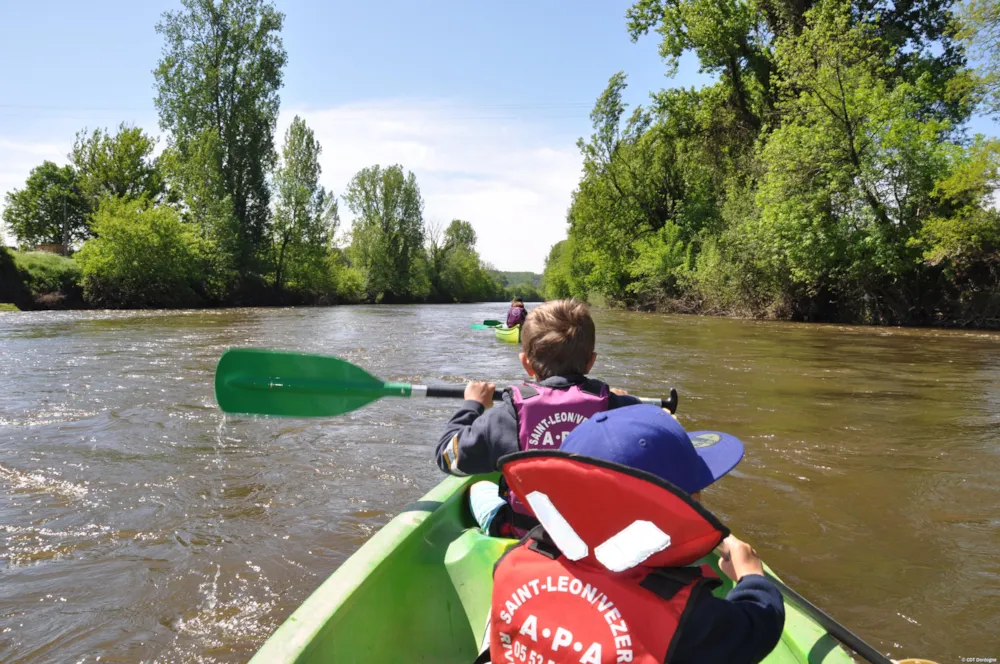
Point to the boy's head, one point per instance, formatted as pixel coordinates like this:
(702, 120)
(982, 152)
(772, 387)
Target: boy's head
(647, 438)
(517, 302)
(557, 339)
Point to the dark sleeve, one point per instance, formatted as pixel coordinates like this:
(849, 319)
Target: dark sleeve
(474, 441)
(743, 628)
(621, 400)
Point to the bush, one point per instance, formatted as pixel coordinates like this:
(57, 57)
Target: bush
(5, 307)
(142, 256)
(46, 273)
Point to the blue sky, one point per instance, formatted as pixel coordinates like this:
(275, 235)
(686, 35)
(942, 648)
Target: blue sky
(483, 101)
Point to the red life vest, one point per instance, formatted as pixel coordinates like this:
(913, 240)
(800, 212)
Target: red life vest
(545, 415)
(596, 586)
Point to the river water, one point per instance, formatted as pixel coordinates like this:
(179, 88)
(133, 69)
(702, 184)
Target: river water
(137, 523)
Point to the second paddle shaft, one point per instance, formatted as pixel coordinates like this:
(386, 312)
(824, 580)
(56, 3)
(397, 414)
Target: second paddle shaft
(458, 392)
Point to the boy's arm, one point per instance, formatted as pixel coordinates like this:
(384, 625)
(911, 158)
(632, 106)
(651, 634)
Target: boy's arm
(473, 442)
(743, 628)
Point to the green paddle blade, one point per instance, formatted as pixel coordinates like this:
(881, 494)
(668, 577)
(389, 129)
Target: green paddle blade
(476, 326)
(492, 323)
(267, 382)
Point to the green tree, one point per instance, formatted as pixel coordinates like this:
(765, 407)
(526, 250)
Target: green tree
(120, 165)
(851, 172)
(220, 73)
(979, 28)
(388, 232)
(196, 189)
(460, 234)
(306, 216)
(142, 256)
(50, 209)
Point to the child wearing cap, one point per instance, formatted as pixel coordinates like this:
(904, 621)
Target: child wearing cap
(609, 575)
(557, 341)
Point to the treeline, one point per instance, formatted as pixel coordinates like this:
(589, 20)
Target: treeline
(220, 216)
(826, 174)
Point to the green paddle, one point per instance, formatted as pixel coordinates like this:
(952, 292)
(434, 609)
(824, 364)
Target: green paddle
(486, 325)
(271, 382)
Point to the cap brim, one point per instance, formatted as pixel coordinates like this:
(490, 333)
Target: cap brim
(720, 451)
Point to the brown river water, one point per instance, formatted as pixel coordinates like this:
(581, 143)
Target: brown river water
(139, 524)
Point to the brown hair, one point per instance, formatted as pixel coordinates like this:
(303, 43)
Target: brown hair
(558, 338)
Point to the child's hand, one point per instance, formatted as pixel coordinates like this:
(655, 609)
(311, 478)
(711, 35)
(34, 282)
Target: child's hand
(620, 392)
(737, 559)
(481, 392)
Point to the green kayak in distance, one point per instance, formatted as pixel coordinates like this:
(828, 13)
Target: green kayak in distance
(509, 335)
(419, 591)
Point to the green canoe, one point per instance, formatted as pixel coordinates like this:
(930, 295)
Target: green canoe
(419, 591)
(510, 335)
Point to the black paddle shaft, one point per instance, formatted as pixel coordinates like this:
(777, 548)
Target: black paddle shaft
(838, 631)
(458, 392)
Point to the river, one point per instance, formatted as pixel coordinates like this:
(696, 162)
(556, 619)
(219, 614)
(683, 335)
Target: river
(137, 523)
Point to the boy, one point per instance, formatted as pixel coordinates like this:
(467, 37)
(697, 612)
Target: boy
(517, 313)
(557, 341)
(607, 576)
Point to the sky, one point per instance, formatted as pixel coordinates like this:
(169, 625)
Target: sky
(483, 101)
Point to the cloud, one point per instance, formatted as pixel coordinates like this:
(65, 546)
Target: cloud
(511, 178)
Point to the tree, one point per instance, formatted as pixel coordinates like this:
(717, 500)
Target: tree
(50, 209)
(306, 217)
(220, 72)
(460, 234)
(388, 232)
(195, 188)
(850, 174)
(121, 165)
(979, 29)
(142, 256)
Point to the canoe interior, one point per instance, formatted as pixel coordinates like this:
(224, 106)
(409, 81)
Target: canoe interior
(419, 591)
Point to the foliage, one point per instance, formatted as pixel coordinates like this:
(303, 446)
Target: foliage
(118, 166)
(217, 95)
(823, 174)
(525, 291)
(13, 291)
(6, 307)
(45, 273)
(508, 278)
(979, 28)
(388, 233)
(305, 218)
(142, 256)
(195, 188)
(50, 209)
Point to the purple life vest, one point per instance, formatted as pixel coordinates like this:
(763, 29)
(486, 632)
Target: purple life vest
(546, 414)
(516, 316)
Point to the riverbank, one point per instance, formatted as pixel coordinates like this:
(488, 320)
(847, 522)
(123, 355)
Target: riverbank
(37, 281)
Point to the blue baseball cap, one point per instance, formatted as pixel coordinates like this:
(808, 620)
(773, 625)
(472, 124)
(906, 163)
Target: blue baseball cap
(647, 438)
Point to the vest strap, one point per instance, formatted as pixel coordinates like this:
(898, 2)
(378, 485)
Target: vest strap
(527, 391)
(668, 581)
